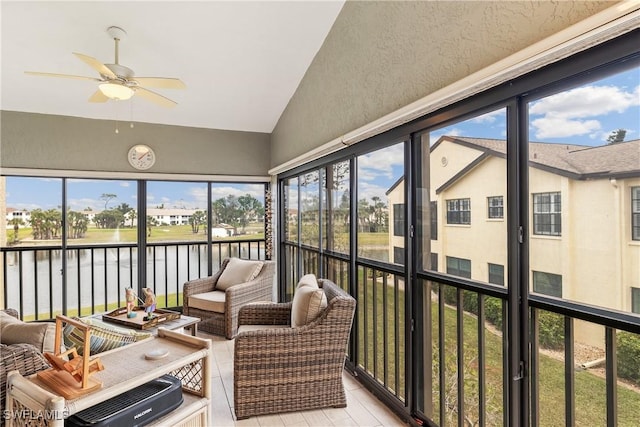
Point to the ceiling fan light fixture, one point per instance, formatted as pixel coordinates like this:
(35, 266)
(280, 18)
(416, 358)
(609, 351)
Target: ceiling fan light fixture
(116, 91)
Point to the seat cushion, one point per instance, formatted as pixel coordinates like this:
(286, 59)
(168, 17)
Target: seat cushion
(41, 335)
(103, 337)
(208, 301)
(308, 303)
(238, 271)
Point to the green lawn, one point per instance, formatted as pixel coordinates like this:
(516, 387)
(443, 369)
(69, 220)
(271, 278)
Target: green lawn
(159, 233)
(590, 389)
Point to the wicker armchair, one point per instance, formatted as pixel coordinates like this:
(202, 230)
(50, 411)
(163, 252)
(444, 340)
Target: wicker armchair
(292, 369)
(225, 320)
(25, 358)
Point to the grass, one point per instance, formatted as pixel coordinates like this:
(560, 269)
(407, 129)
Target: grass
(378, 352)
(159, 233)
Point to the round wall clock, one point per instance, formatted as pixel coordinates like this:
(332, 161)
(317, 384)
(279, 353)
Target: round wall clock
(141, 157)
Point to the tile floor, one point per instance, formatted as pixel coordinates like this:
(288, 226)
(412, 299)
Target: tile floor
(363, 409)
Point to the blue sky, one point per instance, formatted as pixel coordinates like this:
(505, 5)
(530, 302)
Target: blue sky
(46, 193)
(585, 115)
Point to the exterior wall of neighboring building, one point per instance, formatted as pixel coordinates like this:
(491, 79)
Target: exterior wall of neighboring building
(594, 254)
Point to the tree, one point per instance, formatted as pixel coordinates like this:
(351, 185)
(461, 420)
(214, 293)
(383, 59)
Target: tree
(250, 209)
(16, 222)
(112, 218)
(617, 136)
(46, 225)
(198, 218)
(77, 224)
(107, 197)
(151, 222)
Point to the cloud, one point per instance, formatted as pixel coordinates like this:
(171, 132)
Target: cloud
(381, 163)
(576, 112)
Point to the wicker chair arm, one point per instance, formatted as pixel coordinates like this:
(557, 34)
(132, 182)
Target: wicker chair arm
(265, 314)
(24, 358)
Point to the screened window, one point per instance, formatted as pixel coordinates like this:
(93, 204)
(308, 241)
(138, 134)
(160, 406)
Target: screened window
(496, 274)
(398, 219)
(459, 267)
(547, 210)
(434, 261)
(635, 213)
(495, 208)
(459, 211)
(434, 220)
(398, 255)
(547, 284)
(635, 300)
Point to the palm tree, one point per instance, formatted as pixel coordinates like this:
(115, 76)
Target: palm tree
(16, 222)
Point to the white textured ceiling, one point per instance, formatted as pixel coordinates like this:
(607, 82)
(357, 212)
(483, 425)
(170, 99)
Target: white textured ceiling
(241, 61)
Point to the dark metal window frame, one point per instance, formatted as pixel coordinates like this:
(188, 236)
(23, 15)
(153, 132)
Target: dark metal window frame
(520, 402)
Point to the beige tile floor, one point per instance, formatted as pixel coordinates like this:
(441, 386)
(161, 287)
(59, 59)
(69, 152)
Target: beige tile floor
(363, 409)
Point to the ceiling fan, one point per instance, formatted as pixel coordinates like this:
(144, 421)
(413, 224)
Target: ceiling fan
(117, 82)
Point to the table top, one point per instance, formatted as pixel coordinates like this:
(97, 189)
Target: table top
(172, 325)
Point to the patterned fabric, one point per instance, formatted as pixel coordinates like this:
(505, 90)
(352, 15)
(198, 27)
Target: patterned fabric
(101, 338)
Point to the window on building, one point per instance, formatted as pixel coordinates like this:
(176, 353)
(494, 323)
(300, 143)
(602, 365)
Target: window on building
(635, 213)
(547, 284)
(434, 220)
(496, 274)
(434, 261)
(495, 208)
(398, 255)
(459, 211)
(547, 210)
(398, 219)
(459, 267)
(635, 300)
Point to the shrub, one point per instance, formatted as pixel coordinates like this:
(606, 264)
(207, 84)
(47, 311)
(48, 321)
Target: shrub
(493, 311)
(629, 356)
(550, 330)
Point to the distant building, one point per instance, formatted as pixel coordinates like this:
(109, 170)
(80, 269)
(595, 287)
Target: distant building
(171, 216)
(584, 217)
(23, 215)
(223, 230)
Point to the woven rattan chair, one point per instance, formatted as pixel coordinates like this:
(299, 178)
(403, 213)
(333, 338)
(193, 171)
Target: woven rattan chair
(292, 369)
(226, 323)
(25, 358)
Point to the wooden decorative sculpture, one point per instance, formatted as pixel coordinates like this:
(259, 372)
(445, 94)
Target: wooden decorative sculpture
(70, 372)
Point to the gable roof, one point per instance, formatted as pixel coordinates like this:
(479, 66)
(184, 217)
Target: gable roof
(581, 162)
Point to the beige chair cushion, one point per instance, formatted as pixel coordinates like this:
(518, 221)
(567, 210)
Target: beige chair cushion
(308, 303)
(308, 280)
(208, 301)
(238, 271)
(41, 335)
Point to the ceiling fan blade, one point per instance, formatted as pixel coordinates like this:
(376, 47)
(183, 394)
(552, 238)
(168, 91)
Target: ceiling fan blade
(65, 76)
(160, 82)
(96, 65)
(155, 97)
(98, 96)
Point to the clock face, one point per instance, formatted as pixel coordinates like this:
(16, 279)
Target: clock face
(141, 157)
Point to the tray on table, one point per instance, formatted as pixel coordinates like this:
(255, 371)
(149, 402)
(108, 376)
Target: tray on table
(160, 315)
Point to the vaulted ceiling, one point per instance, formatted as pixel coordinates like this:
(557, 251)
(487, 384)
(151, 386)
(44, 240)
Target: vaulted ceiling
(240, 60)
